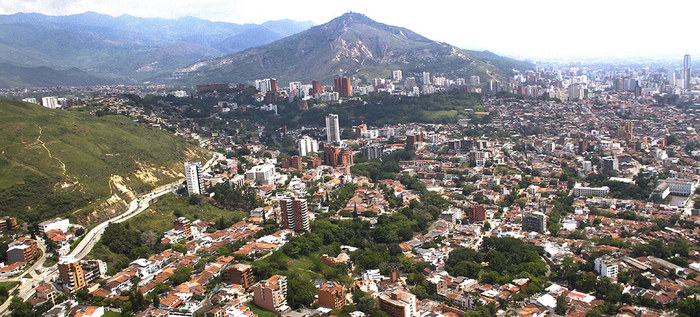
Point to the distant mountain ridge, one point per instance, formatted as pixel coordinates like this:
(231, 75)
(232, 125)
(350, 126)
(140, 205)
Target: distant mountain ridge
(127, 48)
(350, 45)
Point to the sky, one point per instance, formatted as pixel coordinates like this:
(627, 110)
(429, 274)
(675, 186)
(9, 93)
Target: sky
(535, 30)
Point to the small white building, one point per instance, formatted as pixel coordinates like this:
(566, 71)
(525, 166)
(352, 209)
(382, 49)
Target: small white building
(606, 266)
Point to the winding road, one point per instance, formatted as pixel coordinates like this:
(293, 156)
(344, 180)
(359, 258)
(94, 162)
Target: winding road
(136, 206)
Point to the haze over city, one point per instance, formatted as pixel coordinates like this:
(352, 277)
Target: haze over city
(533, 30)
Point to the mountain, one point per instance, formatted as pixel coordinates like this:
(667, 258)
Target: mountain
(127, 48)
(70, 163)
(350, 45)
(17, 76)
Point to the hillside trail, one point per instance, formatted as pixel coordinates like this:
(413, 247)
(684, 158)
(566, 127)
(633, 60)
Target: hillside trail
(38, 140)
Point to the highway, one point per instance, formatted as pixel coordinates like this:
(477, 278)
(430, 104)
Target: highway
(136, 206)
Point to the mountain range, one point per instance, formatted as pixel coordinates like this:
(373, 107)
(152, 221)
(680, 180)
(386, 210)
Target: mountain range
(92, 48)
(120, 49)
(350, 45)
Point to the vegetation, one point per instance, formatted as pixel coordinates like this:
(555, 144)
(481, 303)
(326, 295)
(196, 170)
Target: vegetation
(54, 162)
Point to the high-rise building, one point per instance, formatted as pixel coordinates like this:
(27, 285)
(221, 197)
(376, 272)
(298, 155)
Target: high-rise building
(342, 86)
(476, 212)
(193, 175)
(50, 102)
(239, 273)
(426, 78)
(576, 92)
(606, 266)
(373, 151)
(316, 88)
(609, 163)
(359, 129)
(306, 145)
(397, 74)
(71, 273)
(685, 72)
(7, 223)
(332, 295)
(271, 294)
(295, 214)
(535, 221)
(273, 85)
(183, 224)
(409, 83)
(626, 130)
(398, 304)
(332, 128)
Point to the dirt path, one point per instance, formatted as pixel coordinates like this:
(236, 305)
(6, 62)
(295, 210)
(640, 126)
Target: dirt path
(38, 140)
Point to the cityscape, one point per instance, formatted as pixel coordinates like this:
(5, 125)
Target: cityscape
(397, 178)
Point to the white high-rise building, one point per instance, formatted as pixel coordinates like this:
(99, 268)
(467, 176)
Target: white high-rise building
(306, 145)
(50, 102)
(397, 75)
(264, 85)
(685, 72)
(193, 175)
(426, 78)
(332, 128)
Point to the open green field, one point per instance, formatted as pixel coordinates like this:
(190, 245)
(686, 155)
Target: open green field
(56, 161)
(261, 312)
(160, 216)
(6, 286)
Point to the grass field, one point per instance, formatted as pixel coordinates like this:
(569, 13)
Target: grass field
(111, 314)
(7, 286)
(78, 153)
(261, 312)
(160, 216)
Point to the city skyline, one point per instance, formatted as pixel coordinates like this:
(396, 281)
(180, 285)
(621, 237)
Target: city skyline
(540, 30)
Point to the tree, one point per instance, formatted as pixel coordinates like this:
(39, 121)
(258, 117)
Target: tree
(301, 291)
(561, 305)
(181, 275)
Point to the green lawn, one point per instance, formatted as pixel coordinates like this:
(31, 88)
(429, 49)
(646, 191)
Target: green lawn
(111, 314)
(160, 216)
(8, 286)
(260, 311)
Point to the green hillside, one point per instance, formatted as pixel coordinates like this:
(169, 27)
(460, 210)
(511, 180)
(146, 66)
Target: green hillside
(74, 164)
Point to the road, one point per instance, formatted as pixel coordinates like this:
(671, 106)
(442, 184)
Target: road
(136, 206)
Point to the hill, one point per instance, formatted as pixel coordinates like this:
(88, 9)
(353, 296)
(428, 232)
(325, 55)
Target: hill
(17, 76)
(54, 162)
(129, 48)
(350, 45)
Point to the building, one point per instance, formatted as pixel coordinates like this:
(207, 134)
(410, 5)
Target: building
(535, 221)
(332, 128)
(7, 223)
(590, 191)
(342, 86)
(685, 72)
(293, 162)
(239, 273)
(183, 224)
(23, 250)
(359, 130)
(397, 75)
(295, 214)
(426, 78)
(271, 294)
(262, 174)
(306, 145)
(193, 176)
(373, 151)
(50, 102)
(332, 295)
(437, 285)
(54, 224)
(409, 83)
(71, 273)
(335, 156)
(412, 141)
(576, 92)
(609, 163)
(681, 187)
(475, 80)
(398, 304)
(606, 266)
(626, 130)
(76, 274)
(316, 88)
(476, 212)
